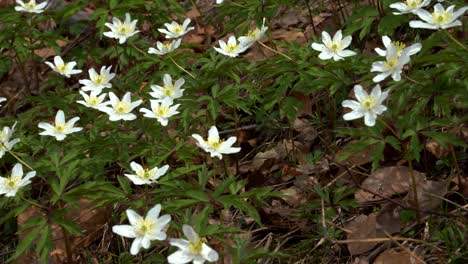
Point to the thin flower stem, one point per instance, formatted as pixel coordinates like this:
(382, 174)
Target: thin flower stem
(138, 49)
(16, 157)
(33, 203)
(455, 40)
(275, 51)
(412, 80)
(225, 167)
(389, 127)
(182, 68)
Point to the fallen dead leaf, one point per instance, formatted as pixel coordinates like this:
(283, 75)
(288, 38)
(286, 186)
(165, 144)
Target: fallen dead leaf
(361, 228)
(429, 194)
(387, 181)
(396, 256)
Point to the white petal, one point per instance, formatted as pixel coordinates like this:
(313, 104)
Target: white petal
(136, 245)
(124, 230)
(209, 254)
(179, 257)
(133, 217)
(190, 233)
(154, 212)
(213, 134)
(17, 170)
(369, 118)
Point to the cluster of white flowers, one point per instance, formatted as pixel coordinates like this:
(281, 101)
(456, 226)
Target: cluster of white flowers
(173, 30)
(6, 143)
(236, 46)
(153, 227)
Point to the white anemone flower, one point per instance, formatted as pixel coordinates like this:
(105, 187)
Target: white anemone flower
(393, 65)
(65, 69)
(11, 185)
(121, 109)
(334, 48)
(368, 106)
(193, 250)
(30, 7)
(164, 48)
(399, 46)
(145, 176)
(97, 82)
(5, 143)
(2, 99)
(231, 48)
(409, 6)
(161, 110)
(169, 89)
(121, 31)
(214, 145)
(176, 30)
(93, 100)
(61, 128)
(254, 35)
(440, 18)
(144, 230)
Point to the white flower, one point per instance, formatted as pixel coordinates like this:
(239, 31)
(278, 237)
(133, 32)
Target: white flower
(400, 47)
(60, 129)
(144, 230)
(219, 1)
(146, 176)
(253, 35)
(164, 48)
(93, 100)
(232, 48)
(5, 136)
(10, 185)
(120, 109)
(193, 250)
(367, 105)
(175, 30)
(214, 145)
(334, 48)
(161, 110)
(65, 69)
(97, 82)
(30, 7)
(121, 31)
(392, 66)
(409, 6)
(2, 99)
(440, 18)
(169, 90)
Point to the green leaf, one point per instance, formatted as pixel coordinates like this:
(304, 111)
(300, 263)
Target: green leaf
(196, 194)
(27, 241)
(233, 200)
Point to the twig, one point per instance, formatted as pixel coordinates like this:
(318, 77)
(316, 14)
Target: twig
(456, 41)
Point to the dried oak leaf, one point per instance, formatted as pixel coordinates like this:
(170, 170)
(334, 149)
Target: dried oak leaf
(429, 194)
(394, 256)
(361, 228)
(387, 182)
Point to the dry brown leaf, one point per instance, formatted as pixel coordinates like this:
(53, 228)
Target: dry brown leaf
(361, 228)
(429, 194)
(356, 159)
(394, 256)
(387, 182)
(436, 149)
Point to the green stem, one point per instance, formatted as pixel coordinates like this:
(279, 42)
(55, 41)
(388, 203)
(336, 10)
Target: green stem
(456, 41)
(16, 157)
(415, 190)
(389, 127)
(33, 203)
(138, 49)
(275, 51)
(182, 68)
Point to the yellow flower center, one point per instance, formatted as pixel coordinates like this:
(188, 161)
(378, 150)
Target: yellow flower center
(11, 182)
(368, 102)
(98, 79)
(441, 17)
(167, 45)
(62, 68)
(399, 46)
(60, 127)
(168, 90)
(177, 29)
(413, 3)
(122, 107)
(93, 100)
(145, 173)
(143, 226)
(231, 47)
(391, 63)
(124, 29)
(196, 247)
(161, 111)
(253, 33)
(214, 144)
(30, 5)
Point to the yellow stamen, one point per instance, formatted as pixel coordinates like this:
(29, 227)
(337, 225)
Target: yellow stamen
(122, 107)
(368, 102)
(196, 247)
